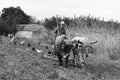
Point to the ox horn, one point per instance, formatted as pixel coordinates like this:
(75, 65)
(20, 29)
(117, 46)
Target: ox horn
(93, 42)
(80, 42)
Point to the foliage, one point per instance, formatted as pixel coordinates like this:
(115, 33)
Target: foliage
(82, 21)
(9, 19)
(94, 22)
(51, 23)
(67, 20)
(15, 15)
(5, 27)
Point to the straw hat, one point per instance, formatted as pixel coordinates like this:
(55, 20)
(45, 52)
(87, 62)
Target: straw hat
(62, 22)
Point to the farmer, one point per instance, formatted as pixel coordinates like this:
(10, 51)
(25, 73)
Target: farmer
(60, 29)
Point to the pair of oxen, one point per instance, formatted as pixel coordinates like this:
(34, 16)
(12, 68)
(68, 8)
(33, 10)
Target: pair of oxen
(64, 46)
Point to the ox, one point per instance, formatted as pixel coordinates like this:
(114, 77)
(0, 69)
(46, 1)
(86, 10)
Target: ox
(62, 48)
(81, 49)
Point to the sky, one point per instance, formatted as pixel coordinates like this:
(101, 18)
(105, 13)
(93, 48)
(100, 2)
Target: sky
(109, 9)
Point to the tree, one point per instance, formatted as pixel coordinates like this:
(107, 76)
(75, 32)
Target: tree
(67, 20)
(9, 19)
(52, 22)
(4, 27)
(15, 15)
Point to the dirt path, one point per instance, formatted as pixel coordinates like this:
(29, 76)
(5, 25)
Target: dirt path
(94, 70)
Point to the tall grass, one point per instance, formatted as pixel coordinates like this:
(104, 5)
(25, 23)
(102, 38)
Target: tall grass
(105, 32)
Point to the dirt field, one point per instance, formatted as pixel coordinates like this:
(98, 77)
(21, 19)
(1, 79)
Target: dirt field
(17, 64)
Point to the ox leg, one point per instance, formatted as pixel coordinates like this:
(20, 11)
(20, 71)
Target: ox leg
(54, 54)
(66, 61)
(82, 60)
(73, 58)
(59, 59)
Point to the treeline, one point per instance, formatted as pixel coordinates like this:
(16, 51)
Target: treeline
(11, 17)
(53, 22)
(82, 21)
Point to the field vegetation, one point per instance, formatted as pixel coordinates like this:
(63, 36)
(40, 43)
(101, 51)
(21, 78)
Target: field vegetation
(104, 64)
(105, 32)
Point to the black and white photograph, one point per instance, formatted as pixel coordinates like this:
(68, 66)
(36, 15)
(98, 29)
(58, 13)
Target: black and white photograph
(59, 40)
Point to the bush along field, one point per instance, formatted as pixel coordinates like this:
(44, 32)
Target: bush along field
(16, 63)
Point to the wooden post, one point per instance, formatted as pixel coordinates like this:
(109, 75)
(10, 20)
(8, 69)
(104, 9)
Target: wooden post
(58, 25)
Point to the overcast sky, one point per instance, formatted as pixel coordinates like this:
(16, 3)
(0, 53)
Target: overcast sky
(109, 9)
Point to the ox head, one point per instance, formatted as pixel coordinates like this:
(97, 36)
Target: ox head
(87, 47)
(83, 50)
